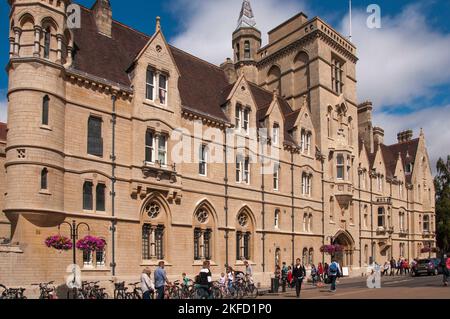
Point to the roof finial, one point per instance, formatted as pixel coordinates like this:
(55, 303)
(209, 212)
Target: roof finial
(246, 17)
(158, 24)
(422, 132)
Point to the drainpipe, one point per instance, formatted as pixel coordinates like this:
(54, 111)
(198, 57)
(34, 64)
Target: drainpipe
(371, 220)
(113, 186)
(322, 161)
(227, 232)
(293, 207)
(360, 224)
(263, 198)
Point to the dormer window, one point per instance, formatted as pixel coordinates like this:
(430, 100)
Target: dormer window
(409, 168)
(242, 118)
(305, 143)
(276, 134)
(163, 89)
(150, 84)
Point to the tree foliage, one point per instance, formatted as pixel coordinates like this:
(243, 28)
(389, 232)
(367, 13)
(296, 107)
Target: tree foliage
(442, 184)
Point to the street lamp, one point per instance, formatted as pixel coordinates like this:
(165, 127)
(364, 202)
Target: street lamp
(74, 232)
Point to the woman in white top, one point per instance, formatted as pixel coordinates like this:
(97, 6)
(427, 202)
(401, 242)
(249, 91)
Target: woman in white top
(147, 285)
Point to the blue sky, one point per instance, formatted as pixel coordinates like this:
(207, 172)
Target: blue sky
(404, 67)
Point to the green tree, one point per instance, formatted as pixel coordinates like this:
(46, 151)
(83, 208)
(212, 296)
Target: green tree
(442, 184)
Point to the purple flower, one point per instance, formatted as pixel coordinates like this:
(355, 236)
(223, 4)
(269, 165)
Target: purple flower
(91, 243)
(59, 242)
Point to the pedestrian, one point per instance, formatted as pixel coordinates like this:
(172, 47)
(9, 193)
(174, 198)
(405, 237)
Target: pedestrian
(299, 274)
(314, 275)
(320, 271)
(290, 277)
(277, 279)
(445, 264)
(334, 273)
(284, 274)
(406, 267)
(393, 266)
(248, 272)
(385, 269)
(205, 281)
(325, 273)
(398, 267)
(230, 280)
(160, 280)
(147, 285)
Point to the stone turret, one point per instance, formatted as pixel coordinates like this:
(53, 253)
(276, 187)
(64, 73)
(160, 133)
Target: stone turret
(246, 43)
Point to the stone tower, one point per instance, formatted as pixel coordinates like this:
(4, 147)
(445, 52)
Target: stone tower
(40, 47)
(246, 43)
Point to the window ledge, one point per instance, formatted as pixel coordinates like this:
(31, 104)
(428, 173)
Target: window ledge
(163, 107)
(240, 263)
(95, 269)
(154, 263)
(45, 192)
(46, 128)
(199, 263)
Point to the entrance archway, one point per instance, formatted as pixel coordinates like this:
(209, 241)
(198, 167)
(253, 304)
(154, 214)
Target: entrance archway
(345, 240)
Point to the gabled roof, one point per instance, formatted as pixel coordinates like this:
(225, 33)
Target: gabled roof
(390, 153)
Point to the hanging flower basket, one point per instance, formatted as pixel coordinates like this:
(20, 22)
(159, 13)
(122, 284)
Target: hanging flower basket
(331, 249)
(59, 242)
(91, 243)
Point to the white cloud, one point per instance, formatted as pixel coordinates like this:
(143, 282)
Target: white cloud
(3, 111)
(402, 61)
(434, 122)
(208, 25)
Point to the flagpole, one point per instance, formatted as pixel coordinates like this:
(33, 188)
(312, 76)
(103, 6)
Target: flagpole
(351, 26)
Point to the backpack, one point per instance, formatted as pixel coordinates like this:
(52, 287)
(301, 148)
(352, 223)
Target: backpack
(447, 263)
(333, 269)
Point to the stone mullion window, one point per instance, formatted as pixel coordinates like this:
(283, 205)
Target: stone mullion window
(149, 147)
(47, 42)
(150, 84)
(95, 140)
(45, 110)
(88, 200)
(159, 242)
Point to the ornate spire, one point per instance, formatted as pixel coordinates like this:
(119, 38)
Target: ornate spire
(246, 18)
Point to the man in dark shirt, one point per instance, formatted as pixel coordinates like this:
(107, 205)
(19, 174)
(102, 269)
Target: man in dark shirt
(205, 281)
(299, 274)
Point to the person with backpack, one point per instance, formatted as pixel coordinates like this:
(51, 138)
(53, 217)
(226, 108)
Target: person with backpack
(299, 274)
(205, 281)
(333, 274)
(445, 263)
(314, 275)
(284, 275)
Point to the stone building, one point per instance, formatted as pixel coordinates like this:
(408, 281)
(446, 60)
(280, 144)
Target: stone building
(92, 118)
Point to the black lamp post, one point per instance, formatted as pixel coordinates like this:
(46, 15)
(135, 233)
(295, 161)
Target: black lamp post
(74, 233)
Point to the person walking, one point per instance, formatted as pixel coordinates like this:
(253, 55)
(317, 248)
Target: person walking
(393, 266)
(160, 280)
(248, 272)
(284, 275)
(334, 273)
(277, 279)
(205, 281)
(445, 264)
(406, 267)
(299, 274)
(290, 277)
(325, 273)
(320, 271)
(147, 285)
(314, 275)
(385, 269)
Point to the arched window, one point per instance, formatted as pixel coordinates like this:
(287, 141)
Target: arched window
(44, 179)
(88, 201)
(100, 204)
(153, 232)
(277, 219)
(332, 208)
(247, 54)
(305, 256)
(203, 234)
(243, 236)
(47, 42)
(45, 110)
(311, 256)
(274, 79)
(305, 222)
(306, 184)
(381, 217)
(310, 222)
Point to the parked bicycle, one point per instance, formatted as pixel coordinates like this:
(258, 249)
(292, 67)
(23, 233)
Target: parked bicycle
(46, 292)
(136, 293)
(12, 293)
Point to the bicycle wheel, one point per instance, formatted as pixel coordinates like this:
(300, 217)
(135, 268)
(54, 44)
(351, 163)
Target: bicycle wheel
(252, 292)
(216, 293)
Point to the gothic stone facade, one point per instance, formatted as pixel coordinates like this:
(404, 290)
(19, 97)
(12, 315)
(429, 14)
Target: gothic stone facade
(90, 113)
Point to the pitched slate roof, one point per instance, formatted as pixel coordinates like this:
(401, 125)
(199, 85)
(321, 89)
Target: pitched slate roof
(407, 150)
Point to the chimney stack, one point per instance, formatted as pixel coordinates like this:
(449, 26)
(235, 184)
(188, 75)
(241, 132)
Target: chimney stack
(378, 135)
(103, 16)
(405, 136)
